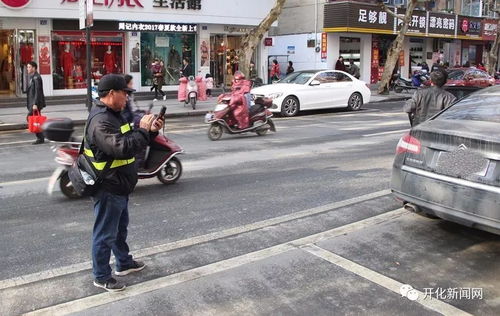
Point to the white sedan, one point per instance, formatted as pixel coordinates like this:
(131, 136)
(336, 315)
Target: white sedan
(315, 89)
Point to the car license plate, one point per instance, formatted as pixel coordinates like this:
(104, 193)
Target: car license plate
(462, 163)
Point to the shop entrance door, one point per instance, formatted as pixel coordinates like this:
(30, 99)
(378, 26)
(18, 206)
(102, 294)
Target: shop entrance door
(25, 48)
(224, 58)
(7, 62)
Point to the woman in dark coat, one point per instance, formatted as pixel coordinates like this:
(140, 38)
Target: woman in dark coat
(340, 64)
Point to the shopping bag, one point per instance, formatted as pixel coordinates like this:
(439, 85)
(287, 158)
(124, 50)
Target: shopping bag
(35, 122)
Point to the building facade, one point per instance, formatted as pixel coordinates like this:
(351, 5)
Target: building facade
(360, 31)
(126, 38)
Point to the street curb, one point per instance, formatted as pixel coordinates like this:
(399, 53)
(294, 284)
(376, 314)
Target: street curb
(20, 126)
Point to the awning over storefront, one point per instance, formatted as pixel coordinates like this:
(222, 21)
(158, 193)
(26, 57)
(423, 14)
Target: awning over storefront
(357, 17)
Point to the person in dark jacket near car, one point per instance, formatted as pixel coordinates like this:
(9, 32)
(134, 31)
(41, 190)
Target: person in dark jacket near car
(110, 139)
(34, 95)
(427, 102)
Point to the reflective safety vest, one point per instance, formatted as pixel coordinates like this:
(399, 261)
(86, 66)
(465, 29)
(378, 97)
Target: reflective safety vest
(99, 165)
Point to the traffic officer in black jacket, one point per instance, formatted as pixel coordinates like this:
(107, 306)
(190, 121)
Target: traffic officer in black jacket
(34, 95)
(111, 144)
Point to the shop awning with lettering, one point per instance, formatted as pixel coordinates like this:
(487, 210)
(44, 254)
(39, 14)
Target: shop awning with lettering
(352, 16)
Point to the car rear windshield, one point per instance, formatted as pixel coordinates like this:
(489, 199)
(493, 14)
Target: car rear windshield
(477, 107)
(297, 77)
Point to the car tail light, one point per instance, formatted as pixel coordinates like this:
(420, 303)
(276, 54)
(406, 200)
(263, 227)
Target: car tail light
(408, 143)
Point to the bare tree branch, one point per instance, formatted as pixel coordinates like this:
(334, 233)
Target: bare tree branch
(251, 40)
(390, 12)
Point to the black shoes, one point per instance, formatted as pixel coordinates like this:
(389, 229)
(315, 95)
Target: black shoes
(134, 267)
(38, 141)
(110, 285)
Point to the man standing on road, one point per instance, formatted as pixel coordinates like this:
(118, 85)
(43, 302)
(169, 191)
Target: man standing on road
(427, 102)
(34, 95)
(109, 139)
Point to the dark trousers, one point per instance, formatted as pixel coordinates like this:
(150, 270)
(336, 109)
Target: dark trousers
(110, 234)
(157, 89)
(38, 135)
(209, 92)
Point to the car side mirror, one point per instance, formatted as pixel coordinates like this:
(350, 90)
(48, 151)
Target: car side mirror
(315, 83)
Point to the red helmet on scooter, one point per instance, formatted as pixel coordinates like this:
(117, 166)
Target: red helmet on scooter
(239, 76)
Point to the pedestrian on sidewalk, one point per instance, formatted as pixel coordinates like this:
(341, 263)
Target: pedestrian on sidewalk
(209, 81)
(186, 70)
(158, 72)
(427, 102)
(289, 69)
(354, 70)
(110, 140)
(34, 95)
(275, 71)
(339, 65)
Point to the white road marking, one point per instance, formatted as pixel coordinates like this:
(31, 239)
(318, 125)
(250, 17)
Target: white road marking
(15, 143)
(380, 279)
(387, 133)
(4, 184)
(44, 275)
(220, 266)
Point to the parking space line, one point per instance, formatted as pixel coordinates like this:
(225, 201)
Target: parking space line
(382, 280)
(74, 268)
(220, 266)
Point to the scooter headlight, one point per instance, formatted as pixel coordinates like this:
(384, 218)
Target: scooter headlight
(220, 107)
(275, 95)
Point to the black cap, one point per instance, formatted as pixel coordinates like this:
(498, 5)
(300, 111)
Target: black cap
(113, 82)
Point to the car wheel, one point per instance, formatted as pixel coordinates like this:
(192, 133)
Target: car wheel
(355, 102)
(290, 106)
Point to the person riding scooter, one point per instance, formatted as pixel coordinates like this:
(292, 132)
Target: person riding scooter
(238, 101)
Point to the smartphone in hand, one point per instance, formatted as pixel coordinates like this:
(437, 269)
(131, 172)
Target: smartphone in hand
(162, 112)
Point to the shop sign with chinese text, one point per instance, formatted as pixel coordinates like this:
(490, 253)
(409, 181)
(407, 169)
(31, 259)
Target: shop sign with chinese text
(157, 27)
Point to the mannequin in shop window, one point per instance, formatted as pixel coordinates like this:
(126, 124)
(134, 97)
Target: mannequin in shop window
(109, 61)
(67, 62)
(174, 60)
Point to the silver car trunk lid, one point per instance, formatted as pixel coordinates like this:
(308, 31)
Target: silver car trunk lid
(462, 149)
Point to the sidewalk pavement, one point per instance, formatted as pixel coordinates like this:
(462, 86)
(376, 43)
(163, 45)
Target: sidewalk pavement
(15, 118)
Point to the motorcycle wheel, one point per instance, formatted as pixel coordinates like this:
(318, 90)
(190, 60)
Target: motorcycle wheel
(262, 132)
(215, 132)
(398, 89)
(171, 172)
(193, 103)
(66, 187)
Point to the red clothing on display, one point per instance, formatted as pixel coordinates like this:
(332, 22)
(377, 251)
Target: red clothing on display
(67, 63)
(26, 53)
(109, 62)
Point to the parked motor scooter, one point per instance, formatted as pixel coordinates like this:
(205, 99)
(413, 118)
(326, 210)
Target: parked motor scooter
(191, 92)
(222, 118)
(160, 161)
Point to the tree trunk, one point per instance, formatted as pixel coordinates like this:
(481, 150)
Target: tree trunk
(251, 40)
(396, 47)
(492, 60)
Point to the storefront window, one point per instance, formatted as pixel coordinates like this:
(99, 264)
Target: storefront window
(69, 57)
(170, 49)
(350, 49)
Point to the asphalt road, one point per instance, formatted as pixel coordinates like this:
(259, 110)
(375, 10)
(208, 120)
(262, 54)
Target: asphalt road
(297, 222)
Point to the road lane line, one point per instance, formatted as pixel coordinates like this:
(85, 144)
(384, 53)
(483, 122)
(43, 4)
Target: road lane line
(203, 271)
(386, 133)
(382, 280)
(4, 184)
(48, 274)
(15, 143)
